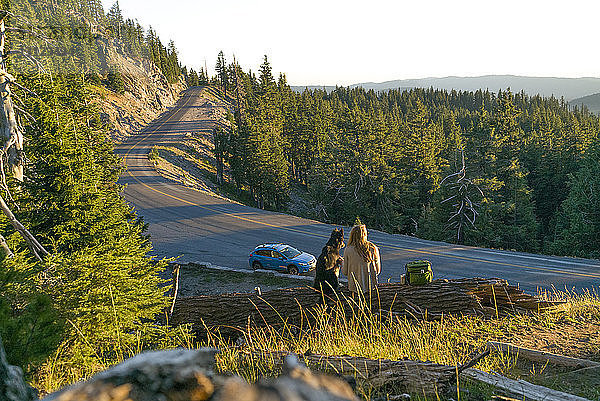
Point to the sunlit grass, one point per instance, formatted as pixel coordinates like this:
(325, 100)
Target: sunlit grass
(70, 363)
(452, 340)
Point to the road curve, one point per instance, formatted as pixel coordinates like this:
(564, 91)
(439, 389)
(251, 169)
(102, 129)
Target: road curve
(201, 228)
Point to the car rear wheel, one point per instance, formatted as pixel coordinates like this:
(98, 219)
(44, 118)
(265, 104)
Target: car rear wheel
(292, 270)
(256, 265)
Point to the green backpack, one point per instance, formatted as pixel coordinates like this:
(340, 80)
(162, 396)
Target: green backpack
(419, 272)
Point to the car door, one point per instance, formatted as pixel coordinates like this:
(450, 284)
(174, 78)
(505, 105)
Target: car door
(278, 261)
(266, 258)
(263, 256)
(269, 260)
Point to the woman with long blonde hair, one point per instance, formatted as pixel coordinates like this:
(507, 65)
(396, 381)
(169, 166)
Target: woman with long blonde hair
(362, 263)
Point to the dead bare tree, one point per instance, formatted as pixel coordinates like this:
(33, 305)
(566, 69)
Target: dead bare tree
(12, 134)
(465, 210)
(13, 137)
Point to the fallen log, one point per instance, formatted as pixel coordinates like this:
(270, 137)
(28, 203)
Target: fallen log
(232, 313)
(404, 375)
(520, 388)
(541, 356)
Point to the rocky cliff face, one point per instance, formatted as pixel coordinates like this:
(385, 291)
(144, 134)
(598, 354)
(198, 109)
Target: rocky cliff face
(147, 94)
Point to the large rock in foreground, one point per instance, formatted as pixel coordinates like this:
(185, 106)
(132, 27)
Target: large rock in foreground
(12, 385)
(187, 375)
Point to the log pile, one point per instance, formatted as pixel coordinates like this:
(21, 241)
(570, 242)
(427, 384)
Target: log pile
(296, 306)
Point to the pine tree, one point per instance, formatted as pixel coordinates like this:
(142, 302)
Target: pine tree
(577, 230)
(507, 219)
(114, 80)
(220, 145)
(115, 19)
(221, 69)
(30, 325)
(173, 70)
(203, 77)
(108, 288)
(268, 167)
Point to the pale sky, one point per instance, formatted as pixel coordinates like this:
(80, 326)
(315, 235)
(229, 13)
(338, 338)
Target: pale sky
(344, 42)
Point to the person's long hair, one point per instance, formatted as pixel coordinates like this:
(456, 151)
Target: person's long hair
(358, 239)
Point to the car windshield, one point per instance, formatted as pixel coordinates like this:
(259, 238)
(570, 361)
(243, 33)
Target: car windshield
(290, 252)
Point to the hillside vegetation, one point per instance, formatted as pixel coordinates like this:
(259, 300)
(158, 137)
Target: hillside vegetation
(94, 295)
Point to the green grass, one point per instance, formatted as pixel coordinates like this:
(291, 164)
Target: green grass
(451, 341)
(61, 369)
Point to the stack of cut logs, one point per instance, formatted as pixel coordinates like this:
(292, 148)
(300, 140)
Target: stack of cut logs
(296, 306)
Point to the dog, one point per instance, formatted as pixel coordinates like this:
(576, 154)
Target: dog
(329, 264)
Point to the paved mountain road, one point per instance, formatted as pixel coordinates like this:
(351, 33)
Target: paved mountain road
(198, 227)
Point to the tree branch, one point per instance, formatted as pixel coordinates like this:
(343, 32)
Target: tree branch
(28, 56)
(33, 243)
(4, 245)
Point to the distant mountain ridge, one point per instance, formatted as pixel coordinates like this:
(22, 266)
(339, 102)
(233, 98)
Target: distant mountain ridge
(569, 88)
(591, 101)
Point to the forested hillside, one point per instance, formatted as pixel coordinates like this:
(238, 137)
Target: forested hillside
(592, 102)
(87, 295)
(133, 76)
(395, 159)
(569, 88)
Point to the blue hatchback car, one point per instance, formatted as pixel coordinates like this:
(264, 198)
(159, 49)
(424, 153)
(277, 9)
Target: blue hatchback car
(281, 257)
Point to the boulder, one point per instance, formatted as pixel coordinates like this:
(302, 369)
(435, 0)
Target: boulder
(12, 385)
(188, 375)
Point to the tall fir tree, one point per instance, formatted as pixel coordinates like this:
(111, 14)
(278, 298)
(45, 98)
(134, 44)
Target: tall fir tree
(577, 231)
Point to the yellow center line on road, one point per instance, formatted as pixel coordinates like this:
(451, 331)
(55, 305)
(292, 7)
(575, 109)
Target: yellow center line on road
(431, 253)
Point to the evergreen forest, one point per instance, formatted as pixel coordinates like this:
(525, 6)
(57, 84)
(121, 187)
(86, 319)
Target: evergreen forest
(500, 170)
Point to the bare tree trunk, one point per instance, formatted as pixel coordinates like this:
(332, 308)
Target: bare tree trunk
(218, 146)
(4, 246)
(13, 137)
(175, 288)
(522, 389)
(220, 171)
(541, 356)
(37, 249)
